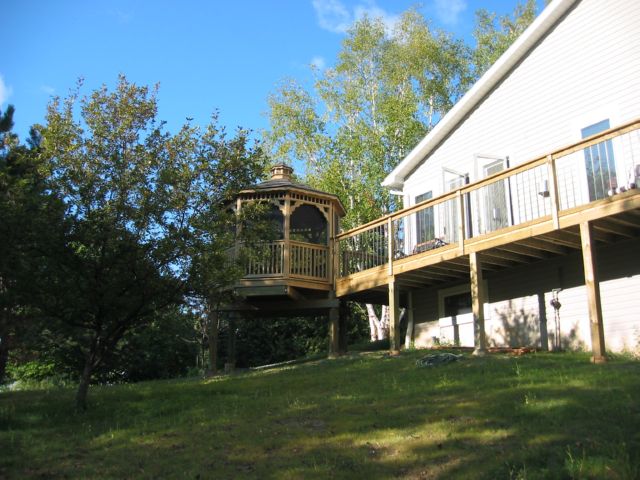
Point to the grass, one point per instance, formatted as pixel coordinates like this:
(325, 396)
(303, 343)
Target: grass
(362, 416)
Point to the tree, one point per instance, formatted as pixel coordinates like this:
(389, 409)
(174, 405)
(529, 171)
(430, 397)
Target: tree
(495, 34)
(136, 198)
(366, 113)
(31, 222)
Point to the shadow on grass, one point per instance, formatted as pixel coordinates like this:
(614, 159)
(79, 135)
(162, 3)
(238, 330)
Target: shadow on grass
(363, 416)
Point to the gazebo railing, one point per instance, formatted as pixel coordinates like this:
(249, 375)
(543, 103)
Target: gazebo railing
(269, 259)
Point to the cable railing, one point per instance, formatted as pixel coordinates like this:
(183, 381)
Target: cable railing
(600, 166)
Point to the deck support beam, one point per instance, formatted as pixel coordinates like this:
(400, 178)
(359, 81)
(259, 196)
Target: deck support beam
(334, 330)
(478, 296)
(230, 364)
(394, 316)
(592, 284)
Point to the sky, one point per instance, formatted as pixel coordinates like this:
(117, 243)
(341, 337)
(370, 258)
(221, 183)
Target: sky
(206, 55)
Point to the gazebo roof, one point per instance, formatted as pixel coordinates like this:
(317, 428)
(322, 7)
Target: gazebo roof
(281, 181)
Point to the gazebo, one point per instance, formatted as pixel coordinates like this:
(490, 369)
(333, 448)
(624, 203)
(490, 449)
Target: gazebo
(294, 272)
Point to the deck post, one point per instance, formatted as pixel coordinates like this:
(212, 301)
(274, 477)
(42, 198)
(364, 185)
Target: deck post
(477, 301)
(286, 254)
(460, 214)
(592, 284)
(553, 191)
(394, 317)
(230, 364)
(334, 329)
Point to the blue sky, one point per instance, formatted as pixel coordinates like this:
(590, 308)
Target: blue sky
(206, 55)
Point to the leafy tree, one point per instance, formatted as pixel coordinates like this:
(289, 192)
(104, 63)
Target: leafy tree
(367, 112)
(137, 199)
(383, 95)
(32, 220)
(494, 34)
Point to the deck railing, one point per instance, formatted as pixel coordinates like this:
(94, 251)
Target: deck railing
(599, 166)
(269, 259)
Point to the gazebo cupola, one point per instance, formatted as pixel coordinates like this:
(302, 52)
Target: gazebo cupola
(298, 265)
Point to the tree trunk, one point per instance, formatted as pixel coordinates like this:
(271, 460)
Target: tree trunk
(83, 387)
(379, 330)
(384, 323)
(373, 322)
(213, 341)
(4, 356)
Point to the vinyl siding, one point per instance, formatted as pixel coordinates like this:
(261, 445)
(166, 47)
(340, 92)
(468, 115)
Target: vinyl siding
(586, 67)
(519, 313)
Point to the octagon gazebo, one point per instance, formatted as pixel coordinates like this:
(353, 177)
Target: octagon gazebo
(294, 273)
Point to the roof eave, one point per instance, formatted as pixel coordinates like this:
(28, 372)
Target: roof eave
(523, 44)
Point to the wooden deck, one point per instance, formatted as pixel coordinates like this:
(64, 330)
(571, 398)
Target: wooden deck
(562, 202)
(614, 218)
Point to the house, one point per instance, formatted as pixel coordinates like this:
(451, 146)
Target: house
(521, 224)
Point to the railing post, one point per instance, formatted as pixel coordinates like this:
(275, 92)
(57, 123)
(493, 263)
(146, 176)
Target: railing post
(286, 254)
(390, 244)
(460, 214)
(553, 191)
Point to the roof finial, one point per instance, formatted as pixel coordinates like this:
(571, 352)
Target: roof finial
(281, 172)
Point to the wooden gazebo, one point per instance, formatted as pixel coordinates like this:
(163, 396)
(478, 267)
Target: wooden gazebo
(294, 273)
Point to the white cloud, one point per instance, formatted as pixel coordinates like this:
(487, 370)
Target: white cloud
(334, 16)
(49, 90)
(448, 11)
(318, 62)
(5, 91)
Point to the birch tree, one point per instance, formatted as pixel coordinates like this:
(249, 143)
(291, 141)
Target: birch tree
(385, 92)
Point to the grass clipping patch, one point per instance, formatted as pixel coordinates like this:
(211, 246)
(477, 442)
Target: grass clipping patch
(438, 359)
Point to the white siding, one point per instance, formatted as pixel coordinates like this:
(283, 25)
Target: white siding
(519, 304)
(587, 67)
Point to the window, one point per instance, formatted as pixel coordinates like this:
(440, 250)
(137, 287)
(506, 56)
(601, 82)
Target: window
(424, 220)
(457, 304)
(599, 163)
(309, 225)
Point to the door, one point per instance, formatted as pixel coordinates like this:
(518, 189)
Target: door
(452, 181)
(599, 163)
(493, 198)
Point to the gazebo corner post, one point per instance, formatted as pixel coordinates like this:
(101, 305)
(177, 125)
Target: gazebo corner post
(334, 327)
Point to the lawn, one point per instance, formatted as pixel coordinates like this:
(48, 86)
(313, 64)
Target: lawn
(361, 416)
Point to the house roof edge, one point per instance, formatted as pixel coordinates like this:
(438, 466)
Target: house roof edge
(518, 50)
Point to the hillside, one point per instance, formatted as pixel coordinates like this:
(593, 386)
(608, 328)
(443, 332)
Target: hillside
(362, 416)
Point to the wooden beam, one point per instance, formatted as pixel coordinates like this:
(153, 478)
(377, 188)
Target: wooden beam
(394, 317)
(553, 186)
(615, 228)
(592, 284)
(334, 332)
(492, 258)
(524, 250)
(561, 238)
(477, 301)
(545, 245)
(627, 218)
(502, 253)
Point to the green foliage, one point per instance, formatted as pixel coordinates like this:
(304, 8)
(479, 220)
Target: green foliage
(362, 416)
(494, 35)
(368, 111)
(135, 219)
